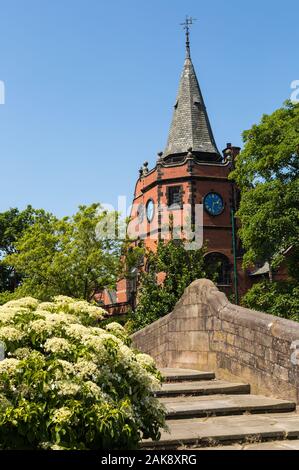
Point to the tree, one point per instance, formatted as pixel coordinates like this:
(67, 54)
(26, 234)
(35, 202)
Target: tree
(267, 172)
(13, 223)
(277, 298)
(67, 256)
(177, 267)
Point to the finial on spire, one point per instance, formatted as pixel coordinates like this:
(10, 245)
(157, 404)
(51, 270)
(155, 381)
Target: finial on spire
(188, 22)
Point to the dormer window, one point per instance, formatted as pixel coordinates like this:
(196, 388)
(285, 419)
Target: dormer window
(197, 104)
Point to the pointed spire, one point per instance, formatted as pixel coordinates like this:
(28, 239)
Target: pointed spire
(190, 125)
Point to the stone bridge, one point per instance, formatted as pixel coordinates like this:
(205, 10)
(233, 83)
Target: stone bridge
(205, 333)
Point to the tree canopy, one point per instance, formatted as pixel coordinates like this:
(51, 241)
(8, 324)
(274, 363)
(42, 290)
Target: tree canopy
(179, 266)
(277, 298)
(65, 256)
(267, 173)
(13, 223)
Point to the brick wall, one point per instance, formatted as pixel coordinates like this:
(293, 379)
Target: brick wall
(205, 331)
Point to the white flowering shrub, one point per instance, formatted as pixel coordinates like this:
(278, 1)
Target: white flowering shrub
(65, 383)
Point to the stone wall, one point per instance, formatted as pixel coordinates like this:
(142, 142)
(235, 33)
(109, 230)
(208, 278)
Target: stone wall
(205, 331)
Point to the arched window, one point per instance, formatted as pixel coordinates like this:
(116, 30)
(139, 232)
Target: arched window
(218, 268)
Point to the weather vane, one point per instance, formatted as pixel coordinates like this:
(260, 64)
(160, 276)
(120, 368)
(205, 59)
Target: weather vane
(188, 22)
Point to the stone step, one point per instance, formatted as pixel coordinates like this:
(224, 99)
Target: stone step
(182, 375)
(288, 444)
(220, 405)
(209, 432)
(202, 387)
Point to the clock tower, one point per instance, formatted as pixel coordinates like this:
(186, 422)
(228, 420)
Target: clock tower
(191, 171)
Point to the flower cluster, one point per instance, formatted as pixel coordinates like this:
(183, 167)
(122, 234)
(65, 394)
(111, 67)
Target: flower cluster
(9, 366)
(25, 302)
(71, 383)
(11, 334)
(57, 346)
(61, 415)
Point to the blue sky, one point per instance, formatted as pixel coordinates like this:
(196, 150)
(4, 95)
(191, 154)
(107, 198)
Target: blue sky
(90, 86)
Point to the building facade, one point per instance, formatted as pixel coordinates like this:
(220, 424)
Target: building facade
(191, 172)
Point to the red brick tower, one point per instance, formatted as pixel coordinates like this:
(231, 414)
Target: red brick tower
(191, 171)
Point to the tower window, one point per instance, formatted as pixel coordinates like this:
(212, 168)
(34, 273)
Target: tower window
(174, 198)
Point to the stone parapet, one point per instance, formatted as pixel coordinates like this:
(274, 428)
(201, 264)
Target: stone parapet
(205, 331)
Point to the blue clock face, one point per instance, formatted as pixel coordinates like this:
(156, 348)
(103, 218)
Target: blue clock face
(213, 203)
(150, 210)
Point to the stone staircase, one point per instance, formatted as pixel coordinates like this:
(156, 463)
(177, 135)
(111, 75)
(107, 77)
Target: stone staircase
(206, 413)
